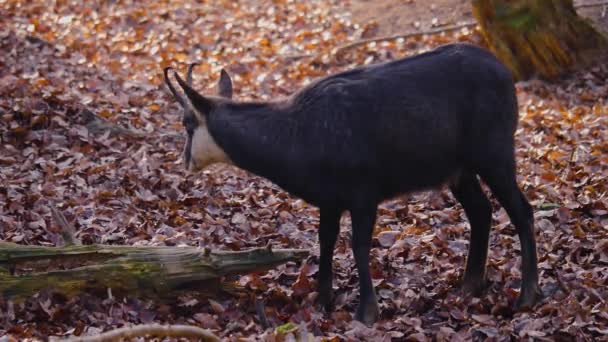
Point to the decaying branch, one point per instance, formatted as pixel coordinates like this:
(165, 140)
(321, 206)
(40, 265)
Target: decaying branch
(156, 330)
(98, 125)
(68, 232)
(154, 271)
(591, 4)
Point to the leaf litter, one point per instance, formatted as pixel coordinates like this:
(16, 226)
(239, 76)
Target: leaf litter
(63, 57)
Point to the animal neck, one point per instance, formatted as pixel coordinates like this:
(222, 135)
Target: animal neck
(256, 137)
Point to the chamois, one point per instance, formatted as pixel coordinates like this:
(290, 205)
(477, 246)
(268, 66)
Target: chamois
(351, 140)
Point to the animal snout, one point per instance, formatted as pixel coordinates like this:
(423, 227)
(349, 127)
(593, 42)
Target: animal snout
(189, 164)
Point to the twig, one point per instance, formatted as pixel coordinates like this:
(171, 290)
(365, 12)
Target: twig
(259, 308)
(343, 48)
(158, 330)
(295, 57)
(68, 232)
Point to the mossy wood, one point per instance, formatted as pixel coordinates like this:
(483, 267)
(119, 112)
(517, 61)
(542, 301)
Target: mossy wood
(537, 37)
(156, 271)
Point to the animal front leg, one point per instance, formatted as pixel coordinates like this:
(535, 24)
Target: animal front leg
(364, 218)
(329, 228)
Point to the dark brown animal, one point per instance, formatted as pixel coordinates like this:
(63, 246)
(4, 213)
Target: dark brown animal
(354, 139)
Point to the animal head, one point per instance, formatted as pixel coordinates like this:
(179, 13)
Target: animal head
(201, 150)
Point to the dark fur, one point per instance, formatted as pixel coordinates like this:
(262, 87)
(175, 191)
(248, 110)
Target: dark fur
(351, 140)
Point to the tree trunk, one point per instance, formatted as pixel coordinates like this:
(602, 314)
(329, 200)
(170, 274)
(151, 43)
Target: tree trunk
(537, 37)
(156, 271)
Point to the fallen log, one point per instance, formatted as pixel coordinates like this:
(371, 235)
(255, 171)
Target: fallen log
(148, 271)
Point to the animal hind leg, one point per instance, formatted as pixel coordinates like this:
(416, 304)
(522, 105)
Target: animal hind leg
(363, 218)
(468, 192)
(501, 179)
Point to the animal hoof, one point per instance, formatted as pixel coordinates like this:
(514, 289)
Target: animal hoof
(367, 313)
(324, 300)
(474, 287)
(528, 298)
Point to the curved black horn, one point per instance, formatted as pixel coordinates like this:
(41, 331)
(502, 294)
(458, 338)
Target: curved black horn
(176, 95)
(189, 73)
(199, 101)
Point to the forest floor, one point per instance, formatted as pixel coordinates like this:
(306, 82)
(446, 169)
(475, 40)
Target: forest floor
(59, 58)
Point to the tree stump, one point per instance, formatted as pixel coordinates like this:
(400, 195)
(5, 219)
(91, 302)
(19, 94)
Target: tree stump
(537, 37)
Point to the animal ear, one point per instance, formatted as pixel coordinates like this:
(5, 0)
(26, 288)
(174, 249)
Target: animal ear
(224, 86)
(201, 103)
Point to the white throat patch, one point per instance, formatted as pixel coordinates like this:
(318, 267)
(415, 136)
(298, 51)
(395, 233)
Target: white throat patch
(204, 150)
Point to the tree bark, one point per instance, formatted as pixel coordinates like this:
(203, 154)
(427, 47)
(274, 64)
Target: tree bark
(543, 38)
(156, 271)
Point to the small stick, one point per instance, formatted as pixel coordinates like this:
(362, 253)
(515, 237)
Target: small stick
(259, 308)
(403, 35)
(295, 57)
(68, 231)
(158, 330)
